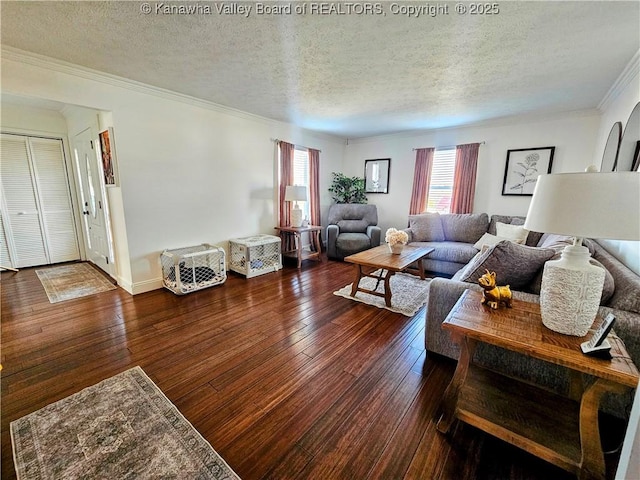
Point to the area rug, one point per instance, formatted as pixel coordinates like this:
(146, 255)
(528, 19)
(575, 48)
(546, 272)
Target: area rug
(123, 427)
(408, 293)
(76, 280)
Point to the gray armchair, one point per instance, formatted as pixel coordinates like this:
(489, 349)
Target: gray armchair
(352, 229)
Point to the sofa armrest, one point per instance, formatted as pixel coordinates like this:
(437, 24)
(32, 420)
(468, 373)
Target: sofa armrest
(332, 235)
(374, 233)
(443, 295)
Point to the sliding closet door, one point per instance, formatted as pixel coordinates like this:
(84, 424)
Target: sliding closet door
(20, 213)
(37, 219)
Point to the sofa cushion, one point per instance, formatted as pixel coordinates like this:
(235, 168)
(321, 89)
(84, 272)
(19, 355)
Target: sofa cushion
(464, 227)
(532, 239)
(626, 295)
(455, 252)
(515, 265)
(426, 227)
(352, 242)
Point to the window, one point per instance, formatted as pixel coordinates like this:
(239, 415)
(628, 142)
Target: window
(441, 185)
(301, 177)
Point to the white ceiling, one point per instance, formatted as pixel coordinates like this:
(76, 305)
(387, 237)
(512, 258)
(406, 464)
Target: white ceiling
(350, 75)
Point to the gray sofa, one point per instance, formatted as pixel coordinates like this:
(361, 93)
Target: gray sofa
(452, 236)
(352, 228)
(621, 297)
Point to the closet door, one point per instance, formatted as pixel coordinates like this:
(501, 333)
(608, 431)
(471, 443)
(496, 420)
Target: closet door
(20, 215)
(55, 202)
(37, 216)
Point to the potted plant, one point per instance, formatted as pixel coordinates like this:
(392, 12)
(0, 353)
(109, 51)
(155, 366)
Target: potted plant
(347, 189)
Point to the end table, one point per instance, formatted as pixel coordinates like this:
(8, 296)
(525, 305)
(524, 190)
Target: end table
(563, 431)
(297, 252)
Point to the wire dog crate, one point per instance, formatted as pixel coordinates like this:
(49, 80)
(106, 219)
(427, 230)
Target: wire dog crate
(256, 255)
(188, 269)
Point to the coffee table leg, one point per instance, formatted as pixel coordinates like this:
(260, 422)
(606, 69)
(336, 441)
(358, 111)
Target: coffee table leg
(450, 398)
(387, 288)
(356, 282)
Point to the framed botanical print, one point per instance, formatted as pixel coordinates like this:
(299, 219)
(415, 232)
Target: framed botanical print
(523, 167)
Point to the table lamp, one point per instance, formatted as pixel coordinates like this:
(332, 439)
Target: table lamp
(581, 205)
(296, 193)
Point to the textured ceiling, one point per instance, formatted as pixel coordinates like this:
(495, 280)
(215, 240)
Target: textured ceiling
(353, 74)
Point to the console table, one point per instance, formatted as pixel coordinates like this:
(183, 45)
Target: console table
(297, 251)
(560, 430)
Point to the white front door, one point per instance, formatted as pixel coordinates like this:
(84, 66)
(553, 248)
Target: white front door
(94, 211)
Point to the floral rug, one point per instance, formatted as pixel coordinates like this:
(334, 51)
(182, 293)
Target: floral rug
(408, 293)
(123, 427)
(75, 280)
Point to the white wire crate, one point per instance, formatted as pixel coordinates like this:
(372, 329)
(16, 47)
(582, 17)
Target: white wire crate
(255, 255)
(188, 269)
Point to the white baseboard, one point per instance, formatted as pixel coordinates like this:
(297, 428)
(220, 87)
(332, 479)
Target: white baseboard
(140, 287)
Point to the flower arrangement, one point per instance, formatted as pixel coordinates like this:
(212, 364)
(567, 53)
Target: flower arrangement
(396, 237)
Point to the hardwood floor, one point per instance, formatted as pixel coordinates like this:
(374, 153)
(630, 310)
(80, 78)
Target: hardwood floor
(284, 379)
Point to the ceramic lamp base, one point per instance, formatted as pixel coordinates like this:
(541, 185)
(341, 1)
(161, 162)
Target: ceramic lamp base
(571, 291)
(296, 217)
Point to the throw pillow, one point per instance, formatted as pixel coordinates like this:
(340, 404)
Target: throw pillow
(515, 265)
(533, 238)
(464, 227)
(515, 233)
(426, 227)
(488, 239)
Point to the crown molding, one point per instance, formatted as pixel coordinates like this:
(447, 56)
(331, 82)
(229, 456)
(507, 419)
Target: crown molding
(630, 71)
(61, 66)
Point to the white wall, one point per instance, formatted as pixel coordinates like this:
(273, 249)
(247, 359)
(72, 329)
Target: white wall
(574, 137)
(24, 118)
(617, 110)
(190, 172)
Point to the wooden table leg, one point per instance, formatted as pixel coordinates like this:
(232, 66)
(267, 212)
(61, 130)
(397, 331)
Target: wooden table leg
(592, 464)
(356, 282)
(450, 398)
(387, 287)
(421, 269)
(298, 245)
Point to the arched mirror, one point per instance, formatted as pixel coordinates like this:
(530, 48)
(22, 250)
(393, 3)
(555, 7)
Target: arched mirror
(611, 148)
(629, 145)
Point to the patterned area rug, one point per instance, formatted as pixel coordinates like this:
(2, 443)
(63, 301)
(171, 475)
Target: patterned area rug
(72, 281)
(123, 427)
(408, 293)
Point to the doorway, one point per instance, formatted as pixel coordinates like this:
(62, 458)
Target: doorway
(94, 207)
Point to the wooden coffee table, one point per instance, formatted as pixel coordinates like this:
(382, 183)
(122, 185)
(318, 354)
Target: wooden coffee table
(560, 430)
(376, 258)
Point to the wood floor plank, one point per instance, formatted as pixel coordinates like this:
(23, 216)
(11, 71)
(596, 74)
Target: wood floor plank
(283, 378)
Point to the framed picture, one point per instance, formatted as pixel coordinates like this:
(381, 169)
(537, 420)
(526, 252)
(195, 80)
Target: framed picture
(523, 167)
(376, 175)
(108, 155)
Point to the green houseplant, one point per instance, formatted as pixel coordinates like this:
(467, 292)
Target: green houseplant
(347, 189)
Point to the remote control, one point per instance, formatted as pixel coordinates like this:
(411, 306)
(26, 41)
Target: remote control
(598, 345)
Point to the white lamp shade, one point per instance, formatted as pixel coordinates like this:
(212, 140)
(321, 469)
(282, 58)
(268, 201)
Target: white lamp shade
(295, 193)
(587, 205)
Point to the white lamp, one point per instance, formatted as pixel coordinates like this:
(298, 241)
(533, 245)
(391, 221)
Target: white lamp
(296, 193)
(594, 205)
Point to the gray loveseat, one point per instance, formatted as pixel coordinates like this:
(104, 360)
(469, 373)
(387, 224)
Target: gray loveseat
(621, 297)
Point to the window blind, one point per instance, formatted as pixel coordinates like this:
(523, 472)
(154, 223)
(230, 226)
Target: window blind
(441, 185)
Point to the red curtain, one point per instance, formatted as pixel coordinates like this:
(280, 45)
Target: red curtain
(314, 186)
(421, 179)
(286, 178)
(464, 178)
